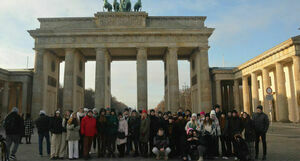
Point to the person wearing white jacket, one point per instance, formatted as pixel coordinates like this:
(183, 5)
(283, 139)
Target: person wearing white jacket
(73, 137)
(122, 135)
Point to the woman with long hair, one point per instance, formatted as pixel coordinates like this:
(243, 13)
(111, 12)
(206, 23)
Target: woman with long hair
(73, 126)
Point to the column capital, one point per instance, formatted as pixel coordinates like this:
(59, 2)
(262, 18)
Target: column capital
(40, 50)
(100, 49)
(173, 49)
(70, 50)
(203, 49)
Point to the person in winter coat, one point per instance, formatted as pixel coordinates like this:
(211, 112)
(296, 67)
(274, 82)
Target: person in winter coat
(155, 123)
(80, 116)
(209, 129)
(12, 125)
(234, 128)
(180, 134)
(28, 123)
(193, 123)
(73, 126)
(215, 119)
(144, 134)
(112, 131)
(101, 127)
(88, 129)
(223, 125)
(64, 141)
(43, 125)
(95, 115)
(228, 139)
(171, 136)
(261, 125)
(56, 131)
(134, 122)
(249, 134)
(161, 145)
(122, 135)
(195, 146)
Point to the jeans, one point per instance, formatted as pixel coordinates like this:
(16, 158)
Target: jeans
(135, 141)
(12, 139)
(157, 152)
(263, 139)
(41, 138)
(250, 146)
(111, 144)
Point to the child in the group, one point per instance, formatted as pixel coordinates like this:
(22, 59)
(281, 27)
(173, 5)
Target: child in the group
(161, 145)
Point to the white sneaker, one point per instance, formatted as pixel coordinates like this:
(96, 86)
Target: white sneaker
(200, 159)
(235, 158)
(225, 158)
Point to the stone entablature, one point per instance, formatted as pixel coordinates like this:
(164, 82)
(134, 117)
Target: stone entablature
(16, 75)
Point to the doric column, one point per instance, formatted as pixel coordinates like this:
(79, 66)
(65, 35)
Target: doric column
(293, 110)
(296, 64)
(38, 84)
(254, 91)
(4, 110)
(142, 87)
(102, 85)
(69, 82)
(266, 84)
(100, 78)
(218, 93)
(282, 104)
(24, 96)
(172, 79)
(246, 99)
(206, 92)
(236, 95)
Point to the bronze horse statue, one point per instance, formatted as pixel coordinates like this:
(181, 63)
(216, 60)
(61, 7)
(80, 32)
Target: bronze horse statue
(107, 6)
(138, 6)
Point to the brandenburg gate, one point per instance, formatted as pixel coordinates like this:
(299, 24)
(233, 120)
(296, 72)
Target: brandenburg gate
(119, 36)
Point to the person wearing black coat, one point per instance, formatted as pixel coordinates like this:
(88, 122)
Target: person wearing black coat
(134, 122)
(12, 125)
(101, 137)
(154, 125)
(249, 135)
(180, 134)
(261, 125)
(56, 130)
(195, 145)
(234, 128)
(161, 144)
(42, 125)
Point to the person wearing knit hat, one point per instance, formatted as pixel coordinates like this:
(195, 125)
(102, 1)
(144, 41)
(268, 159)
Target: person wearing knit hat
(193, 123)
(112, 131)
(56, 129)
(42, 112)
(234, 128)
(261, 124)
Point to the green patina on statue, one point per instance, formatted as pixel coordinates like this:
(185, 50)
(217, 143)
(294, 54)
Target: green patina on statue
(116, 5)
(107, 6)
(123, 6)
(138, 6)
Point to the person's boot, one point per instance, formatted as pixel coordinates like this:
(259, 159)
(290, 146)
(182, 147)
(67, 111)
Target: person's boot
(264, 158)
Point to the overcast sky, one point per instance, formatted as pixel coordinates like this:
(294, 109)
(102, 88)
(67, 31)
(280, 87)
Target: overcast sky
(244, 29)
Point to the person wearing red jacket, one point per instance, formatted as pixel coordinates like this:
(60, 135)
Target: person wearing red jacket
(88, 130)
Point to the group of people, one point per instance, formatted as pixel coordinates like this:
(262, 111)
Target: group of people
(184, 135)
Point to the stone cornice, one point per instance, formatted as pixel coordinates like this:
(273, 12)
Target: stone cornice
(268, 53)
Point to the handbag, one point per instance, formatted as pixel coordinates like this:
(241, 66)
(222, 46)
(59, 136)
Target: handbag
(121, 135)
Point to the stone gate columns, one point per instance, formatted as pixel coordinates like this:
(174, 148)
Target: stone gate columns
(254, 91)
(102, 85)
(142, 88)
(296, 64)
(4, 110)
(246, 97)
(218, 92)
(74, 80)
(38, 83)
(171, 80)
(281, 94)
(236, 95)
(266, 84)
(200, 81)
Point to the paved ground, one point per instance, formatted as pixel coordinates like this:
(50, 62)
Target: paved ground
(283, 145)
